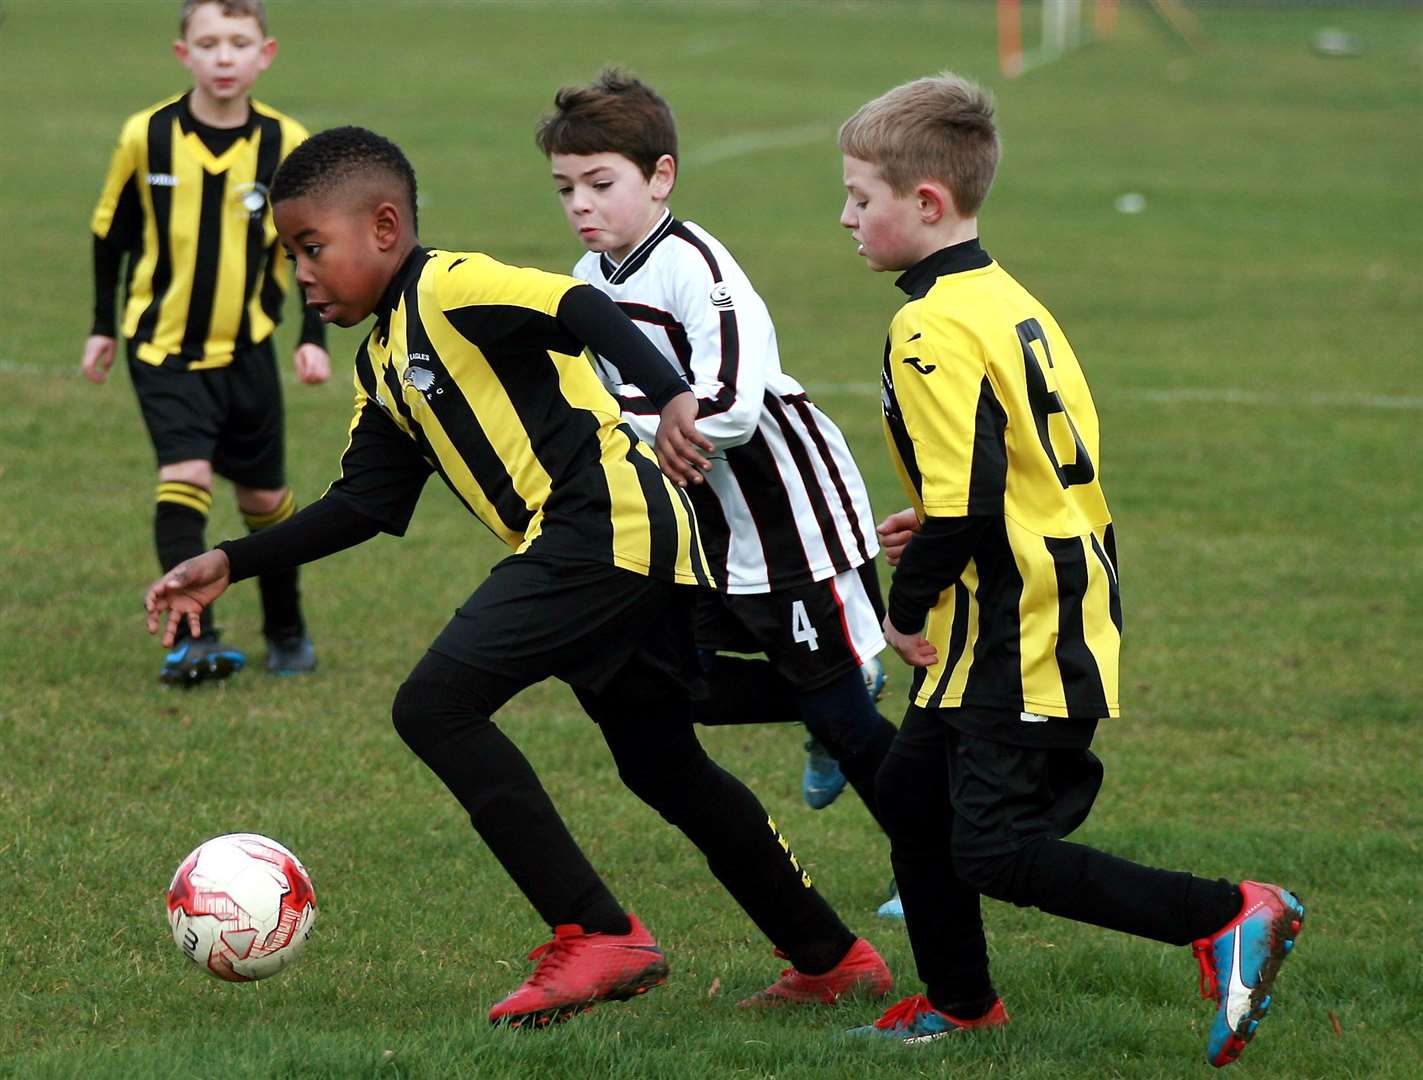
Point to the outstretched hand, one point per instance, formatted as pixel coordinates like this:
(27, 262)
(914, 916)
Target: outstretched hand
(184, 591)
(679, 445)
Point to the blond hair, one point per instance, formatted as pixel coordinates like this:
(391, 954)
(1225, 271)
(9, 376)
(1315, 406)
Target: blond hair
(230, 8)
(939, 128)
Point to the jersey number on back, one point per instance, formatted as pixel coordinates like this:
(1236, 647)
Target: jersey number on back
(1046, 402)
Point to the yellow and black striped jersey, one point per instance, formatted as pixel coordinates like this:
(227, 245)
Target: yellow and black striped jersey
(469, 374)
(205, 277)
(988, 415)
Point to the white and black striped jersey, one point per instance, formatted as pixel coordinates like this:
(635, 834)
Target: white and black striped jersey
(784, 504)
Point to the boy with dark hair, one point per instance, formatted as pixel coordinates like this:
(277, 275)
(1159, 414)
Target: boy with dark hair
(1004, 599)
(474, 371)
(186, 201)
(784, 515)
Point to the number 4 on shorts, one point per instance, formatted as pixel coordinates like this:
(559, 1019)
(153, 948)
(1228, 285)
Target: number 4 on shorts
(802, 632)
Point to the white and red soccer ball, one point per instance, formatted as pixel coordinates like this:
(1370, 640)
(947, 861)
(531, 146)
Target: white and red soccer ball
(241, 907)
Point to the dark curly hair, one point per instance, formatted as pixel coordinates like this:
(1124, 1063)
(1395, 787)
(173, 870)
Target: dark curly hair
(617, 114)
(333, 158)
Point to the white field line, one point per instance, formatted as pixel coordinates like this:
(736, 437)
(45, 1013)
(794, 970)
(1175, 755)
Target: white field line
(736, 146)
(1168, 396)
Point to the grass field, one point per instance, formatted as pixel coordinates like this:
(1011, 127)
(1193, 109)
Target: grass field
(1253, 342)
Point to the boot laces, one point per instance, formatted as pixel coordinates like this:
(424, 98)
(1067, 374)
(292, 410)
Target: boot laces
(904, 1012)
(552, 955)
(1210, 984)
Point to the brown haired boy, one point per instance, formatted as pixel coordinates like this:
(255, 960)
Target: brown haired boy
(784, 513)
(185, 201)
(1004, 599)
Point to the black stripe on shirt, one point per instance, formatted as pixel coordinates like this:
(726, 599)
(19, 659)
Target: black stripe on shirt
(801, 404)
(207, 258)
(988, 472)
(269, 156)
(996, 678)
(714, 528)
(754, 467)
(1114, 602)
(160, 160)
(730, 366)
(1081, 678)
(958, 638)
(459, 423)
(894, 422)
(824, 516)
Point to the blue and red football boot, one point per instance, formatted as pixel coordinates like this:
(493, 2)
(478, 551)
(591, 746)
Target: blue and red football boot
(915, 1020)
(1239, 964)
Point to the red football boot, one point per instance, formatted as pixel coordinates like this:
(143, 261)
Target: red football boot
(577, 970)
(862, 972)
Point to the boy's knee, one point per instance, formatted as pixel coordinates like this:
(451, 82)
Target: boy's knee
(900, 800)
(983, 863)
(422, 711)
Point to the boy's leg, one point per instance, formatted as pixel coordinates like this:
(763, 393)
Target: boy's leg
(443, 712)
(183, 500)
(251, 452)
(289, 650)
(1012, 804)
(941, 912)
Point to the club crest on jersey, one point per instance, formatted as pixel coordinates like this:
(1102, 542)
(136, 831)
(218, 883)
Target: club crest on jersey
(721, 296)
(251, 199)
(422, 379)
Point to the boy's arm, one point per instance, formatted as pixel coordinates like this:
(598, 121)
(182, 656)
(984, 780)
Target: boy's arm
(726, 326)
(117, 225)
(600, 324)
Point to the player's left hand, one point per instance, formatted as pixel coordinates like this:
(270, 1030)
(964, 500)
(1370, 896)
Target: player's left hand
(312, 363)
(913, 649)
(679, 445)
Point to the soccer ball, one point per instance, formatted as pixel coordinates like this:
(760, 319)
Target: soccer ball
(241, 906)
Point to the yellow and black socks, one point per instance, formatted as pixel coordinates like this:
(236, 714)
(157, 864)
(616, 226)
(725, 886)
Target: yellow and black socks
(281, 595)
(180, 519)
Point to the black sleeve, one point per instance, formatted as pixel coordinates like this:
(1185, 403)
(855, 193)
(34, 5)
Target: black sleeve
(313, 532)
(107, 260)
(593, 318)
(932, 561)
(313, 330)
(124, 230)
(382, 471)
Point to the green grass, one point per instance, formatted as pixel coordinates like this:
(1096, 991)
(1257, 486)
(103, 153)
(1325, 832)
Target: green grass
(1252, 341)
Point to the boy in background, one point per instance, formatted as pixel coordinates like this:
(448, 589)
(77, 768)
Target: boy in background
(784, 514)
(185, 200)
(1004, 600)
(474, 372)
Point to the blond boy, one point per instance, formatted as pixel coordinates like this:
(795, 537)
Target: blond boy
(1004, 599)
(185, 201)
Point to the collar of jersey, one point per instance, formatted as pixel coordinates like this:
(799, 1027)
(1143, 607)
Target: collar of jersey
(399, 282)
(191, 125)
(954, 259)
(616, 273)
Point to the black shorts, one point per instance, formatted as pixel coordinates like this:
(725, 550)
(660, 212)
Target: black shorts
(230, 416)
(1004, 795)
(812, 634)
(594, 626)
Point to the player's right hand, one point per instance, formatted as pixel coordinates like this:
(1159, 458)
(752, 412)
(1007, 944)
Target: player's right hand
(98, 356)
(184, 591)
(894, 533)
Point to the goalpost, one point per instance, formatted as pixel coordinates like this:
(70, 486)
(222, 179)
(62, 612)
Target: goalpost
(1066, 24)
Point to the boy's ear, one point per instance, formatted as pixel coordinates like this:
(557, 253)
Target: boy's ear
(386, 226)
(664, 176)
(180, 50)
(934, 203)
(267, 54)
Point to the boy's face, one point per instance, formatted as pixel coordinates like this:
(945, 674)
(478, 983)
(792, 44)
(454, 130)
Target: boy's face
(225, 53)
(341, 248)
(887, 226)
(609, 204)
